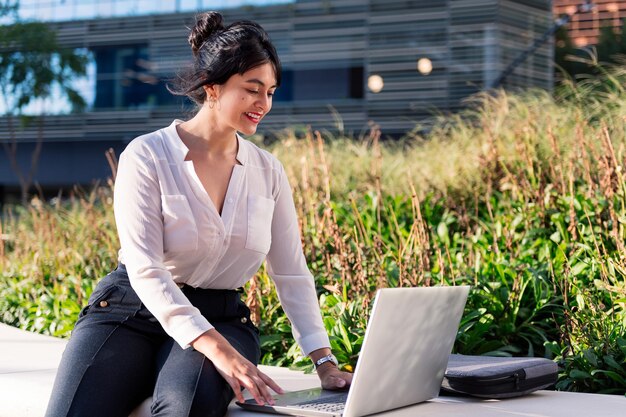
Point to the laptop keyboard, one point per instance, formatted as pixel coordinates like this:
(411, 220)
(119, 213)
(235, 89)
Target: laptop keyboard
(329, 404)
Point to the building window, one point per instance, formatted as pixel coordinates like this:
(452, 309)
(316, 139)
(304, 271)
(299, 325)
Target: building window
(285, 91)
(331, 83)
(125, 78)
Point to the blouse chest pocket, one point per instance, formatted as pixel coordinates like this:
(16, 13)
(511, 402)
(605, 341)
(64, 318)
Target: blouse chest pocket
(260, 213)
(180, 233)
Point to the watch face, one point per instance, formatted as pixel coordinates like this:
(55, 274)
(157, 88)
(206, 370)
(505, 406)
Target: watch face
(328, 358)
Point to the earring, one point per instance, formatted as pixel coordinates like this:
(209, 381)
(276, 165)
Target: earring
(211, 102)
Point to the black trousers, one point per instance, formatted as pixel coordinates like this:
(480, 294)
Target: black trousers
(119, 355)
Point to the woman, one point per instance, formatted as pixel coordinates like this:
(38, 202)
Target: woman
(198, 209)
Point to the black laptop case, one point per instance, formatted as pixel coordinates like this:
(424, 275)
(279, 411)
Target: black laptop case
(497, 377)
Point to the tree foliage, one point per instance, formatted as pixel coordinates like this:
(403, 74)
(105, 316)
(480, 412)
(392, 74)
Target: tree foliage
(581, 62)
(611, 44)
(33, 66)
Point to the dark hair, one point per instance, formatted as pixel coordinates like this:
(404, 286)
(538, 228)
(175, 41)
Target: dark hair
(220, 52)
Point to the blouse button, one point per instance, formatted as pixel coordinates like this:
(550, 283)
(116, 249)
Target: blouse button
(230, 200)
(244, 320)
(104, 303)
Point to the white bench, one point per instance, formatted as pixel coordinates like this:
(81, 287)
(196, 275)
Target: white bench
(28, 364)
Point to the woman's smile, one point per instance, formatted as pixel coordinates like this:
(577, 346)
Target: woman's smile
(253, 117)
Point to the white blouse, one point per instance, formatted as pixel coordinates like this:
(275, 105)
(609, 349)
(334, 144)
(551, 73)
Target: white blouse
(171, 233)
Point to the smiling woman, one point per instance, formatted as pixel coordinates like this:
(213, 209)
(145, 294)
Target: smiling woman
(244, 99)
(198, 208)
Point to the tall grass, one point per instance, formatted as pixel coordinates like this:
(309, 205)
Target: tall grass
(522, 196)
(51, 256)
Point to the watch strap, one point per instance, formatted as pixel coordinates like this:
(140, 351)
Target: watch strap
(324, 359)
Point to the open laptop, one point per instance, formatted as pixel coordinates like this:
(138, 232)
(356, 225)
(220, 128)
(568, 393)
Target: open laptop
(407, 343)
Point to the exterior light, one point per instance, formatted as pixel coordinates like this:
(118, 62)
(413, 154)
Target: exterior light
(612, 7)
(424, 66)
(375, 83)
(580, 42)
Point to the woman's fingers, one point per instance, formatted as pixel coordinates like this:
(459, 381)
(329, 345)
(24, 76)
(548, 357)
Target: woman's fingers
(234, 384)
(236, 381)
(270, 383)
(347, 377)
(255, 393)
(334, 382)
(256, 390)
(335, 379)
(264, 391)
(236, 369)
(247, 375)
(258, 384)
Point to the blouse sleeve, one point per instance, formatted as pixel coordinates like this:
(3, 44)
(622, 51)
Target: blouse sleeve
(288, 269)
(137, 206)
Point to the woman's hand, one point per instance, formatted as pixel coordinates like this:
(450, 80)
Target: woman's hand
(332, 378)
(235, 369)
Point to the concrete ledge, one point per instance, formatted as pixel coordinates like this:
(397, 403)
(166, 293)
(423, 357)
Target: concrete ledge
(28, 364)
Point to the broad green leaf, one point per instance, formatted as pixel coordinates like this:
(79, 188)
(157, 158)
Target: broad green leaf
(578, 374)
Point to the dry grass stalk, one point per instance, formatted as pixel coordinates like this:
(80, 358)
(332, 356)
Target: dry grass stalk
(557, 168)
(453, 273)
(113, 163)
(323, 165)
(377, 171)
(581, 149)
(252, 300)
(599, 246)
(573, 225)
(609, 184)
(3, 237)
(422, 239)
(442, 267)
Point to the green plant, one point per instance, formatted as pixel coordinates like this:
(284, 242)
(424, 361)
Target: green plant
(522, 196)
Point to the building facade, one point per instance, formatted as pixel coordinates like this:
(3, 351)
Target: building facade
(346, 63)
(584, 28)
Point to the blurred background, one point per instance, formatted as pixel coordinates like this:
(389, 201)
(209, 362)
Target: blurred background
(427, 142)
(347, 63)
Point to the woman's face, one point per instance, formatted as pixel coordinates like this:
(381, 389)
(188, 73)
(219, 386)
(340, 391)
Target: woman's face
(245, 99)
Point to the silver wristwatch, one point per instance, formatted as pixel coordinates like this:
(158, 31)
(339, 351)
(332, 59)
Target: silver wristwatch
(327, 358)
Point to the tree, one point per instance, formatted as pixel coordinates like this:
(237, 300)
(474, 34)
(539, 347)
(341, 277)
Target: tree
(611, 44)
(585, 61)
(32, 66)
(570, 60)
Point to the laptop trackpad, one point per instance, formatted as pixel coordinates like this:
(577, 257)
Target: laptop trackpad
(299, 400)
(302, 396)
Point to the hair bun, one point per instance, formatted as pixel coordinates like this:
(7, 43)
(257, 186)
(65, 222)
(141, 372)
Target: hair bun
(206, 25)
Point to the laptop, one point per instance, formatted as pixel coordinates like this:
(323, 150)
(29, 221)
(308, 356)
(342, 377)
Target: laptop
(408, 340)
